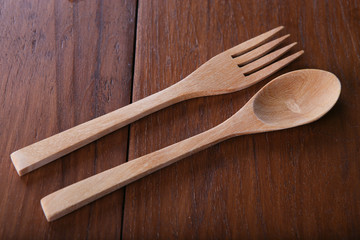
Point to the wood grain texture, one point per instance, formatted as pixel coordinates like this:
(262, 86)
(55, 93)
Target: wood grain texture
(298, 183)
(62, 64)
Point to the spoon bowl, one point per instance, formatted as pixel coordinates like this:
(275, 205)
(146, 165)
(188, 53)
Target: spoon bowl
(296, 98)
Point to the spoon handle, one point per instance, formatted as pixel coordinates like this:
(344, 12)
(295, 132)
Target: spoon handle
(56, 146)
(70, 198)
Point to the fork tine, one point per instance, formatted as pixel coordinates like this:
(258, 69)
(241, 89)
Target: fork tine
(265, 72)
(260, 51)
(251, 67)
(252, 43)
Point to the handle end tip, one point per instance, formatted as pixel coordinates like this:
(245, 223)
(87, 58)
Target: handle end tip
(49, 217)
(19, 162)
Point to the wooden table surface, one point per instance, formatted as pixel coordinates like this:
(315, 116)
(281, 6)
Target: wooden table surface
(65, 62)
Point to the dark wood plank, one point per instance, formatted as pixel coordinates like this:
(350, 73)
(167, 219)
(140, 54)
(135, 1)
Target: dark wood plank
(62, 63)
(299, 183)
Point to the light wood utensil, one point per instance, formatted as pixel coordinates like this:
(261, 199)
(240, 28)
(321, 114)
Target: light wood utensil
(290, 100)
(221, 74)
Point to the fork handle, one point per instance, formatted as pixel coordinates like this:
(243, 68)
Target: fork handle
(70, 198)
(51, 148)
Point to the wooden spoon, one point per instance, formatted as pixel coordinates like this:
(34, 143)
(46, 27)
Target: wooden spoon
(290, 100)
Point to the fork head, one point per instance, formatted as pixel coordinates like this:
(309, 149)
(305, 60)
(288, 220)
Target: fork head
(241, 66)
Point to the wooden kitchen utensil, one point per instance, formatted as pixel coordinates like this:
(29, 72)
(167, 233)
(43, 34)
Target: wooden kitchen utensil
(226, 72)
(290, 100)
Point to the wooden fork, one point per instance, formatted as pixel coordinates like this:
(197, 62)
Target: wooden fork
(229, 71)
